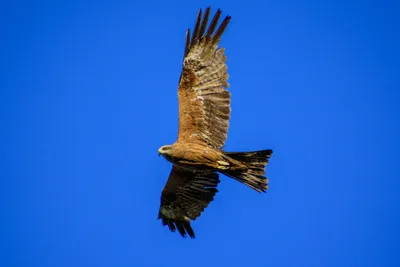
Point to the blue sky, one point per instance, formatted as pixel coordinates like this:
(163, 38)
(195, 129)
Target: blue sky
(88, 95)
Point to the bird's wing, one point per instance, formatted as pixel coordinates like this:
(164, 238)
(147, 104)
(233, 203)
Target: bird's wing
(204, 104)
(185, 196)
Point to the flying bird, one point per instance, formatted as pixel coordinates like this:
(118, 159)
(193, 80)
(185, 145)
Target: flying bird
(204, 113)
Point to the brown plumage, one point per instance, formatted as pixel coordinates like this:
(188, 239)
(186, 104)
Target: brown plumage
(204, 113)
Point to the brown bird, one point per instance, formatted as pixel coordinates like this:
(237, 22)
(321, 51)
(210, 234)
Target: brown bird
(204, 112)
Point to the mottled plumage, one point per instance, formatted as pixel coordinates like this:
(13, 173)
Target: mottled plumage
(204, 113)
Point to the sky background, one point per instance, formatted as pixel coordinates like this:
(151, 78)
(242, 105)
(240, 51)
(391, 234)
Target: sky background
(89, 94)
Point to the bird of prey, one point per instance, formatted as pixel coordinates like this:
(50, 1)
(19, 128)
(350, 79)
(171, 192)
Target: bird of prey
(204, 113)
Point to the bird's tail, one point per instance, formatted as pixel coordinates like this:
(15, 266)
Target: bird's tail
(254, 175)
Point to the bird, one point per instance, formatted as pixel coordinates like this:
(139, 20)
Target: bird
(197, 156)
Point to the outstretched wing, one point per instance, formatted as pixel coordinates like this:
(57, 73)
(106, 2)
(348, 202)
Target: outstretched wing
(185, 196)
(204, 104)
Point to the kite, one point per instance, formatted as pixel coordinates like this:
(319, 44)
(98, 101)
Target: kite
(204, 113)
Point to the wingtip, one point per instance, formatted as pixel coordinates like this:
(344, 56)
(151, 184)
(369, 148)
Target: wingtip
(184, 228)
(189, 231)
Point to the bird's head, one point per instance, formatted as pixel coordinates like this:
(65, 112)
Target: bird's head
(164, 150)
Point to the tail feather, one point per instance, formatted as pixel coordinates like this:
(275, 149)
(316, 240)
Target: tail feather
(254, 175)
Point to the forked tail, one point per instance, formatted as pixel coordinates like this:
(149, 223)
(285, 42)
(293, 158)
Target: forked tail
(254, 175)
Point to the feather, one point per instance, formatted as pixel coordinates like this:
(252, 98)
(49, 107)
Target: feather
(185, 196)
(204, 104)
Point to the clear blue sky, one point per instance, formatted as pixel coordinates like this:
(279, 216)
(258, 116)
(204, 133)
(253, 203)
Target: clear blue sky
(89, 93)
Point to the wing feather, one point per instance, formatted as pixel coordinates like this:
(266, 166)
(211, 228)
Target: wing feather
(197, 27)
(204, 22)
(185, 196)
(204, 103)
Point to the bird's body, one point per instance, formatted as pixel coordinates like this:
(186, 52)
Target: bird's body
(204, 112)
(200, 158)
